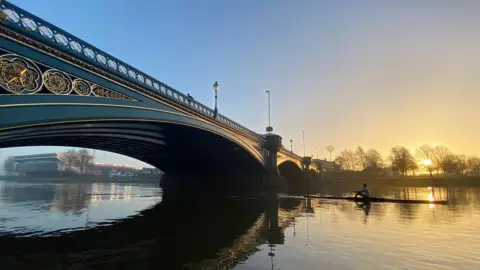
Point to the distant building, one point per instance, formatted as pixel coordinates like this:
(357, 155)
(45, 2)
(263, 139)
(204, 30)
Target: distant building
(150, 171)
(54, 164)
(39, 164)
(103, 169)
(327, 166)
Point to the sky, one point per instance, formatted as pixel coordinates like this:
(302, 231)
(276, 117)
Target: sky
(348, 73)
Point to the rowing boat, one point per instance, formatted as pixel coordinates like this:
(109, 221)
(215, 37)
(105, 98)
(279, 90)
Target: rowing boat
(375, 199)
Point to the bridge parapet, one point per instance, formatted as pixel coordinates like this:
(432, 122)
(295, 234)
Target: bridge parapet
(27, 24)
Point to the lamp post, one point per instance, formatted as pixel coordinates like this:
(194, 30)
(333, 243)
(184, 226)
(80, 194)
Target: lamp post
(215, 87)
(291, 146)
(269, 128)
(303, 133)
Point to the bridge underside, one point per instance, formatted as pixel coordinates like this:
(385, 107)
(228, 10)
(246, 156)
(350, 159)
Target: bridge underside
(296, 183)
(191, 157)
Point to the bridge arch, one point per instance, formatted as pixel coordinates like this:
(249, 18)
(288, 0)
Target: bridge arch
(205, 156)
(294, 176)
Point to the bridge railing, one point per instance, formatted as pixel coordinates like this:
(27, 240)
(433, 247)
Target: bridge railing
(32, 26)
(290, 153)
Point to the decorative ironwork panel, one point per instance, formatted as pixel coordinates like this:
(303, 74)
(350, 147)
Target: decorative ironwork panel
(22, 76)
(19, 76)
(30, 25)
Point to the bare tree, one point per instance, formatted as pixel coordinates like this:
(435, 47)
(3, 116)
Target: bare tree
(401, 158)
(342, 162)
(373, 160)
(449, 164)
(360, 158)
(84, 160)
(412, 166)
(473, 165)
(70, 158)
(346, 159)
(427, 153)
(441, 153)
(461, 163)
(9, 165)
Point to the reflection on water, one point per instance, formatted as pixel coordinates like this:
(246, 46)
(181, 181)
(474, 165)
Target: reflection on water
(237, 233)
(39, 208)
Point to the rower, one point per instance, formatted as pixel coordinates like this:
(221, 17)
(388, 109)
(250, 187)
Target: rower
(364, 193)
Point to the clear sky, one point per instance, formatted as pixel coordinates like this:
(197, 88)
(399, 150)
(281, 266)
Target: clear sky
(370, 73)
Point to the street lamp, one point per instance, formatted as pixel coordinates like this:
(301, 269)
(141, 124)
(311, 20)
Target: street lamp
(269, 128)
(291, 146)
(215, 87)
(303, 133)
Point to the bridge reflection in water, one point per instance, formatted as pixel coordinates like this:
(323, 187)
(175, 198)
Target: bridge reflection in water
(172, 234)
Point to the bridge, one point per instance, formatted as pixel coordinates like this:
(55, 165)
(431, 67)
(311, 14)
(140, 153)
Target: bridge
(58, 90)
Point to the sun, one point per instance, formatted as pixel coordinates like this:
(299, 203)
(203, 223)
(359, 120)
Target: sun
(427, 162)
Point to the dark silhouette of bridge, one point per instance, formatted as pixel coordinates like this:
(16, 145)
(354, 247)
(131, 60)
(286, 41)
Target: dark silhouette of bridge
(59, 90)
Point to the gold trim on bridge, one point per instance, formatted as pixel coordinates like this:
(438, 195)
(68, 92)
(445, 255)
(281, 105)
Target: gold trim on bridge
(248, 147)
(4, 32)
(20, 75)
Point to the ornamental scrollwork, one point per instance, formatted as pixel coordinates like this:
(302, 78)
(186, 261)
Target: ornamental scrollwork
(57, 82)
(99, 91)
(81, 87)
(19, 75)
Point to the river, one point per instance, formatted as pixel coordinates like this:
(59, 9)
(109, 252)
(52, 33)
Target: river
(109, 225)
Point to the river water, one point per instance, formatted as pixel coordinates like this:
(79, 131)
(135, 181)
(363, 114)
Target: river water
(128, 226)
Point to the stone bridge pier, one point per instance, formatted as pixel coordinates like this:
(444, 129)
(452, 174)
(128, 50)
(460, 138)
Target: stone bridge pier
(273, 182)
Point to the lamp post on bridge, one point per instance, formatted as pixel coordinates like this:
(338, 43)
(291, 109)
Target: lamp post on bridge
(215, 87)
(269, 128)
(291, 146)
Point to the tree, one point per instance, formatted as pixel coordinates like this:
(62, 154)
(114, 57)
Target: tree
(360, 158)
(461, 163)
(341, 161)
(427, 153)
(449, 164)
(401, 159)
(473, 165)
(84, 160)
(9, 165)
(346, 160)
(70, 158)
(441, 153)
(373, 160)
(412, 166)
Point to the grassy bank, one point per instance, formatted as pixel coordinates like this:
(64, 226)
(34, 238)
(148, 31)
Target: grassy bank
(410, 181)
(81, 179)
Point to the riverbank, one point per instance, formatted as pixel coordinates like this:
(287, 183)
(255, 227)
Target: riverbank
(410, 181)
(81, 179)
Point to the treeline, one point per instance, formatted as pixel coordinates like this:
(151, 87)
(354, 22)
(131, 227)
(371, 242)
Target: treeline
(436, 160)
